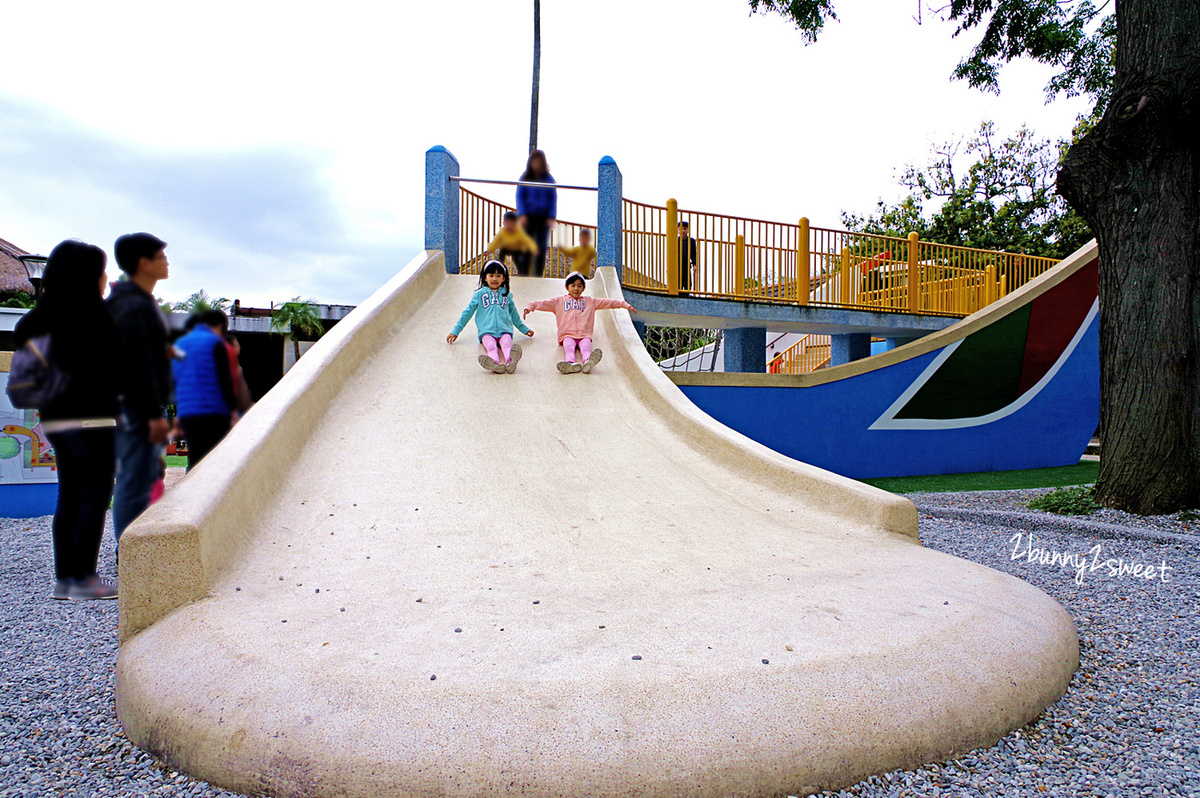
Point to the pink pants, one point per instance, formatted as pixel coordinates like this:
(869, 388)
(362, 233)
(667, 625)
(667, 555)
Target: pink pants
(489, 343)
(585, 348)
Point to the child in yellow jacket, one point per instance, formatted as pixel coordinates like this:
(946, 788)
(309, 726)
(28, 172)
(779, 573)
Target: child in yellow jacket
(511, 240)
(583, 256)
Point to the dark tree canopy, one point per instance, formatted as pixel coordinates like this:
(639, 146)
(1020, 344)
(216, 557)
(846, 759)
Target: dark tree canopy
(809, 15)
(1077, 36)
(1134, 177)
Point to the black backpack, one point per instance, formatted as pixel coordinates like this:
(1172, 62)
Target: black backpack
(33, 379)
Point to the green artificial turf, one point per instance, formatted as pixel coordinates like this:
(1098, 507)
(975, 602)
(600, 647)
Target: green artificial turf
(176, 461)
(1082, 473)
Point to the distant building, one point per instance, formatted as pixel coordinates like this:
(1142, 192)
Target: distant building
(266, 355)
(12, 272)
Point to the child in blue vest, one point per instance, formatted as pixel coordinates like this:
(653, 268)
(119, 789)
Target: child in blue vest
(495, 316)
(204, 392)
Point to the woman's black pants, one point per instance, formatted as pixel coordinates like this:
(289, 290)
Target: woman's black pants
(86, 463)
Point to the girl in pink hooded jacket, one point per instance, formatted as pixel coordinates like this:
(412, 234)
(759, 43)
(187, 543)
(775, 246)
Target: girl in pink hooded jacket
(576, 316)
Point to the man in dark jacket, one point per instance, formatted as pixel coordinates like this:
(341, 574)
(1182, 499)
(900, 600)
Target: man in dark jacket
(687, 256)
(143, 428)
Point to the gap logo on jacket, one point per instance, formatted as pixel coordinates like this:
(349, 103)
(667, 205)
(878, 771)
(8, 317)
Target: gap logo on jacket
(494, 311)
(492, 298)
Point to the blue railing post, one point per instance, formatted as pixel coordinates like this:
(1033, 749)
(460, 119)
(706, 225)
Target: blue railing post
(609, 233)
(441, 204)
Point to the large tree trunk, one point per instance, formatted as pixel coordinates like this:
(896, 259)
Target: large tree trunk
(1136, 180)
(537, 73)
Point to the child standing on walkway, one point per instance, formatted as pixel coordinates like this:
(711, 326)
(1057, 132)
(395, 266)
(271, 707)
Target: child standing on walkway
(576, 316)
(495, 316)
(581, 256)
(512, 241)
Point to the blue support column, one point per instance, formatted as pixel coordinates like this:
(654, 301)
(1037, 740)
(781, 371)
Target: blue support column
(441, 204)
(848, 348)
(746, 349)
(609, 233)
(892, 343)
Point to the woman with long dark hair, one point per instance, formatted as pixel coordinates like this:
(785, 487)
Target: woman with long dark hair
(80, 420)
(537, 207)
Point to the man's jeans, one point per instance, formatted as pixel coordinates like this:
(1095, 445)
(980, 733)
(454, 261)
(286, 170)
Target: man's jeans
(138, 466)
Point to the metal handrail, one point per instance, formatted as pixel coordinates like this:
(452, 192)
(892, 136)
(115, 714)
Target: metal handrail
(480, 217)
(456, 179)
(794, 263)
(801, 357)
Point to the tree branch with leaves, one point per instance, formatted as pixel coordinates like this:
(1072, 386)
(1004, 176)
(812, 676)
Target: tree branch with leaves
(1005, 198)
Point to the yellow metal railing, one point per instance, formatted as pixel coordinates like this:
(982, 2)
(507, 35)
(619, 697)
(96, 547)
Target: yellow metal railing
(739, 258)
(733, 256)
(750, 259)
(479, 220)
(808, 354)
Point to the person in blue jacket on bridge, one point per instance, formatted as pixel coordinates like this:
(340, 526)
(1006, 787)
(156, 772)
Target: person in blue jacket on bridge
(537, 207)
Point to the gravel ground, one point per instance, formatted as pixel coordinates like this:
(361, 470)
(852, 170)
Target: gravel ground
(1126, 727)
(1129, 724)
(59, 734)
(985, 503)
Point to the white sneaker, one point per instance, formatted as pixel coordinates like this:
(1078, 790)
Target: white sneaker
(513, 356)
(92, 588)
(568, 368)
(491, 365)
(592, 360)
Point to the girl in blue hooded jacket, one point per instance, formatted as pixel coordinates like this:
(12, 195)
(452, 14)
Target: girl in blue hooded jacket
(495, 315)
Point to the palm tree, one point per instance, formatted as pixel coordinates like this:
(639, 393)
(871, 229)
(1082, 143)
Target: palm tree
(297, 317)
(537, 69)
(200, 302)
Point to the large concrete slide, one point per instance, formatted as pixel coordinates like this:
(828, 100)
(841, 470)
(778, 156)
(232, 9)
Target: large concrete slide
(403, 575)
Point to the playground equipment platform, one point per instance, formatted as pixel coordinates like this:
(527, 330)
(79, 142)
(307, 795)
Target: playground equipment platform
(616, 594)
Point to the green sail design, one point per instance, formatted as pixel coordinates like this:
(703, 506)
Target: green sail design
(980, 377)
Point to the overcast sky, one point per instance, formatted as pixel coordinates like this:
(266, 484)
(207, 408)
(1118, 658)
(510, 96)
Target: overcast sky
(278, 147)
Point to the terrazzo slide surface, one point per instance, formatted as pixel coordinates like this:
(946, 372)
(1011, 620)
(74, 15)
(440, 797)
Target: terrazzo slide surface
(402, 575)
